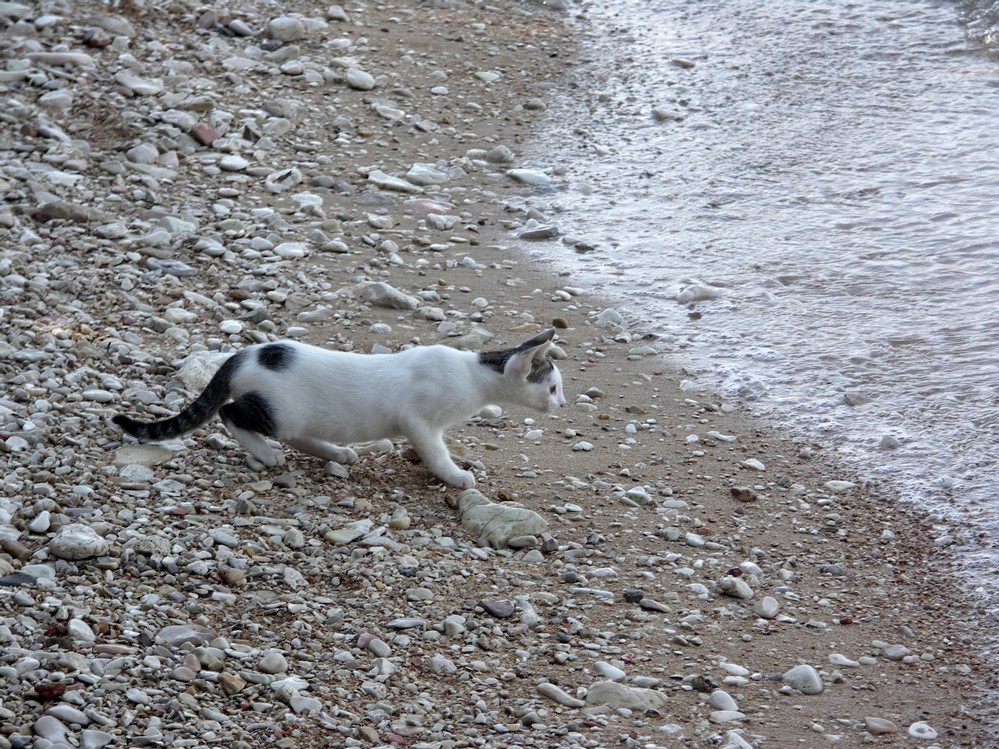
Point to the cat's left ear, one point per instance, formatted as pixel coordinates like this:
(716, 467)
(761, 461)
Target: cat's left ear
(522, 362)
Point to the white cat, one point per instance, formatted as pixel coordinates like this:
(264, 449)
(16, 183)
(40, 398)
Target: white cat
(315, 400)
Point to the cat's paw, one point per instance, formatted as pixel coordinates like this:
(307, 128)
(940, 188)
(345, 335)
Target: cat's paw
(344, 456)
(461, 480)
(269, 458)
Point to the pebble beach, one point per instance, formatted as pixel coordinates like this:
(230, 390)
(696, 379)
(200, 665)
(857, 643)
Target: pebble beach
(647, 568)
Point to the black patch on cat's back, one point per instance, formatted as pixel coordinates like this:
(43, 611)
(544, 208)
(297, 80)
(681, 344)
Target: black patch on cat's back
(275, 356)
(252, 412)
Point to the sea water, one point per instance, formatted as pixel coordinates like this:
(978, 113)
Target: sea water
(802, 199)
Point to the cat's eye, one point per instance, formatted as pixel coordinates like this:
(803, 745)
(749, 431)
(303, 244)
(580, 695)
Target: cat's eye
(553, 389)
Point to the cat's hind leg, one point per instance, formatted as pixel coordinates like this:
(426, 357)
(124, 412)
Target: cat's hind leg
(434, 453)
(323, 449)
(247, 418)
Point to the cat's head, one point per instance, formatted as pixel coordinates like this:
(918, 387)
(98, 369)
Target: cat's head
(530, 377)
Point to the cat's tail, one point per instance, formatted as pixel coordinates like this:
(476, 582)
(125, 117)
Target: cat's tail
(201, 409)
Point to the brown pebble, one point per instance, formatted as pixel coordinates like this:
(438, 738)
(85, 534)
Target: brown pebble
(204, 134)
(15, 548)
(560, 322)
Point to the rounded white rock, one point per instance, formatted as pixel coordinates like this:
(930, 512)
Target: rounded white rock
(767, 608)
(608, 671)
(842, 661)
(722, 700)
(490, 412)
(805, 679)
(359, 79)
(922, 731)
(77, 541)
(559, 695)
(877, 726)
(40, 523)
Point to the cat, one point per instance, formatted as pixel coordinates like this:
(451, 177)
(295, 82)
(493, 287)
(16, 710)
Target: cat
(315, 399)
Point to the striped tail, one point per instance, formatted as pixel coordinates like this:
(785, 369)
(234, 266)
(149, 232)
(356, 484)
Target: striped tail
(197, 413)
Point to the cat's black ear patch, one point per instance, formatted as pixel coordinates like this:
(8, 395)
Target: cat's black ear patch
(275, 356)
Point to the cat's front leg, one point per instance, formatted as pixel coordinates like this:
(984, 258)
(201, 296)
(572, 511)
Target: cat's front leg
(434, 453)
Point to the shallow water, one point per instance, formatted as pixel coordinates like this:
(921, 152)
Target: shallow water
(833, 172)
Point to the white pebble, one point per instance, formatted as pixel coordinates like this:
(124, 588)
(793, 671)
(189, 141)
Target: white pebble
(490, 412)
(841, 660)
(805, 679)
(609, 672)
(722, 700)
(923, 731)
(557, 694)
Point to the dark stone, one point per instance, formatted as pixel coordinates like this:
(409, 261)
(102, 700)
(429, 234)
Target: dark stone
(500, 609)
(16, 579)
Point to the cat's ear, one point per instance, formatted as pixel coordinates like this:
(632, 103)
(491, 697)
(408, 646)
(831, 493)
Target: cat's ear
(521, 363)
(539, 340)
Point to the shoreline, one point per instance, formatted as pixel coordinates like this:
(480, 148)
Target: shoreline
(299, 607)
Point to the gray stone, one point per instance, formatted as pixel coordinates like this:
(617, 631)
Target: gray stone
(558, 695)
(138, 85)
(500, 155)
(804, 679)
(380, 294)
(878, 726)
(533, 177)
(286, 29)
(199, 368)
(620, 695)
(144, 153)
(895, 652)
(273, 662)
(142, 455)
(500, 609)
(178, 634)
(359, 79)
(425, 174)
(495, 524)
(77, 541)
(68, 714)
(93, 739)
(767, 608)
(388, 182)
(50, 728)
(735, 587)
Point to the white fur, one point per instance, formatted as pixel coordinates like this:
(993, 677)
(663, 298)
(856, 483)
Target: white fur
(330, 398)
